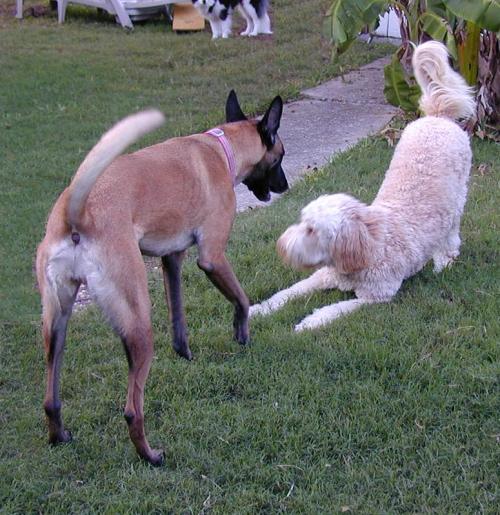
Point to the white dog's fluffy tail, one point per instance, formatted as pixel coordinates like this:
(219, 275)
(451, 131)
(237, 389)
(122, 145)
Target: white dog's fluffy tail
(444, 91)
(108, 148)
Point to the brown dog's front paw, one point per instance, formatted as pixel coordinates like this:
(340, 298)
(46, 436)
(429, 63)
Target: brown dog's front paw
(240, 324)
(243, 340)
(63, 436)
(156, 458)
(241, 334)
(184, 351)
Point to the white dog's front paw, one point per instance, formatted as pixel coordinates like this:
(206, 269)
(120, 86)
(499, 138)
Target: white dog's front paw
(258, 309)
(444, 260)
(311, 322)
(303, 326)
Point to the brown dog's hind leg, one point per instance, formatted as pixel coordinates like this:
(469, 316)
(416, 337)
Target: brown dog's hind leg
(121, 291)
(172, 279)
(221, 274)
(57, 308)
(138, 344)
(58, 291)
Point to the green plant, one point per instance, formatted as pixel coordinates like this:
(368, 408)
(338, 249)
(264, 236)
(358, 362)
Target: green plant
(469, 30)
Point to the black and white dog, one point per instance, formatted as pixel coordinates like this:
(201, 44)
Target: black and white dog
(220, 15)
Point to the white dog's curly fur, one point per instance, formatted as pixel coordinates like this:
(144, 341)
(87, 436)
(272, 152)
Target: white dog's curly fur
(415, 216)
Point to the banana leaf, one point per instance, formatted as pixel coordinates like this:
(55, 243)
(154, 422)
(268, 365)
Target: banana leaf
(485, 13)
(438, 7)
(439, 29)
(345, 19)
(468, 53)
(397, 88)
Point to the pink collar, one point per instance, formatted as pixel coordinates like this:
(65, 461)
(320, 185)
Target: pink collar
(228, 150)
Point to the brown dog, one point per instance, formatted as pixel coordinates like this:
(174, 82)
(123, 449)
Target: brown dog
(158, 201)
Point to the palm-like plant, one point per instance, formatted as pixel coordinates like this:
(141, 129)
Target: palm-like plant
(469, 28)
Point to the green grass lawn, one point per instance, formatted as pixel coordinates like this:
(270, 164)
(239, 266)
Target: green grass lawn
(63, 85)
(392, 409)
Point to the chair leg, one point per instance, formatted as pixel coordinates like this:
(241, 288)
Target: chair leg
(19, 9)
(61, 10)
(122, 14)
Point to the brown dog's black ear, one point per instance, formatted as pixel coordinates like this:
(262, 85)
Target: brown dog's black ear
(233, 109)
(270, 123)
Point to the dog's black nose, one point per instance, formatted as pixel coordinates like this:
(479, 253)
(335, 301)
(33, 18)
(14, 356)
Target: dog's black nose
(278, 183)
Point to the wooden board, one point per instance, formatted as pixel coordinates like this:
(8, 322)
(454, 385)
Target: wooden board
(186, 17)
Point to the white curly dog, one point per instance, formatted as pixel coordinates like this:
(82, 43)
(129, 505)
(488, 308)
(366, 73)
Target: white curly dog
(415, 216)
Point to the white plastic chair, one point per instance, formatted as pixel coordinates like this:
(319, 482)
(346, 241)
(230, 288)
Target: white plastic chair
(118, 8)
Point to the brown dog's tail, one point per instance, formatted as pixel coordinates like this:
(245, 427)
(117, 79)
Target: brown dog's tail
(444, 91)
(109, 147)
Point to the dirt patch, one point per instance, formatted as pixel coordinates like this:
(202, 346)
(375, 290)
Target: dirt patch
(36, 10)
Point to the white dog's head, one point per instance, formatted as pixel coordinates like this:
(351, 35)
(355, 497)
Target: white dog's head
(334, 230)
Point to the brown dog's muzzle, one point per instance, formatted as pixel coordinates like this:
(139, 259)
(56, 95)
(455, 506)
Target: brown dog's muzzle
(277, 180)
(262, 182)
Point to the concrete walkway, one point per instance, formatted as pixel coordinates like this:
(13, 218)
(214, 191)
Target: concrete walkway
(329, 119)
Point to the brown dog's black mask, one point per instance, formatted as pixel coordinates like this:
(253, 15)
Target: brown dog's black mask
(263, 180)
(268, 174)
